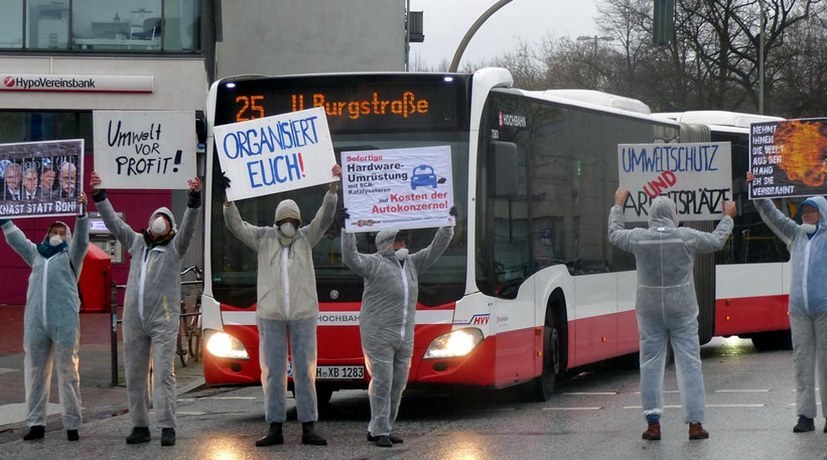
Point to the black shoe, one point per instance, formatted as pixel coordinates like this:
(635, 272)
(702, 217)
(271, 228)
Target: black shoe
(167, 436)
(72, 435)
(139, 434)
(394, 439)
(274, 436)
(309, 435)
(825, 426)
(35, 432)
(384, 441)
(804, 425)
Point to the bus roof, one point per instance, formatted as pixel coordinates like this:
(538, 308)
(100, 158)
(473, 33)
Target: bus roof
(718, 120)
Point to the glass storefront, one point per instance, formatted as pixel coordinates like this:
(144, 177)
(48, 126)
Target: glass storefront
(129, 26)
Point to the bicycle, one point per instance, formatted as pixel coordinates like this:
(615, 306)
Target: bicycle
(188, 344)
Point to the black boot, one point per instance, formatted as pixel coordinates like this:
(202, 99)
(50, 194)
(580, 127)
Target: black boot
(167, 436)
(35, 432)
(394, 439)
(274, 436)
(72, 435)
(139, 434)
(309, 435)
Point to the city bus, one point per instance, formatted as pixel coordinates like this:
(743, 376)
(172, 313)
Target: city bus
(530, 286)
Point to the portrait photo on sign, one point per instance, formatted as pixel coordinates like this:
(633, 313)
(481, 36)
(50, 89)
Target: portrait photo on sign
(41, 178)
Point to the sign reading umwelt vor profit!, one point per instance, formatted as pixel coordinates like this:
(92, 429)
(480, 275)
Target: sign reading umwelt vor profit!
(275, 154)
(144, 150)
(696, 176)
(398, 188)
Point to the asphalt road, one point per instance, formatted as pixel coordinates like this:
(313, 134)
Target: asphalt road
(594, 415)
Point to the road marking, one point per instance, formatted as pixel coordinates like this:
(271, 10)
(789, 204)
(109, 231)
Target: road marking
(591, 393)
(230, 397)
(668, 406)
(664, 392)
(760, 390)
(194, 413)
(186, 400)
(6, 370)
(572, 408)
(735, 405)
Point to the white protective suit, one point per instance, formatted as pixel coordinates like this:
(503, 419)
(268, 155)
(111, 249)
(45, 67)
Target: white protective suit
(51, 327)
(387, 317)
(152, 305)
(287, 303)
(808, 299)
(666, 306)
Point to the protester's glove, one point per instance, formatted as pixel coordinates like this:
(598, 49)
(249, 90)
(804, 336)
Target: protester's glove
(343, 216)
(3, 222)
(99, 195)
(194, 199)
(224, 181)
(453, 211)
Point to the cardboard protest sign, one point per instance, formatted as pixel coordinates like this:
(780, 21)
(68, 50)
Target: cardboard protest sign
(41, 178)
(398, 188)
(275, 154)
(787, 158)
(144, 150)
(696, 176)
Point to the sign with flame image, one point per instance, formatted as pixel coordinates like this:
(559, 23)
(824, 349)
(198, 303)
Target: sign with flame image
(788, 158)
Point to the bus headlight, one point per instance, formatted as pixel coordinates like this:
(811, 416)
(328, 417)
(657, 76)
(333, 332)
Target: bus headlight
(456, 343)
(223, 345)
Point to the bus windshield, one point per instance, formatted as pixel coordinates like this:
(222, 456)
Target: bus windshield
(443, 122)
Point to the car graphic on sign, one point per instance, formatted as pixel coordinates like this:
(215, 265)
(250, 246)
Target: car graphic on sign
(422, 176)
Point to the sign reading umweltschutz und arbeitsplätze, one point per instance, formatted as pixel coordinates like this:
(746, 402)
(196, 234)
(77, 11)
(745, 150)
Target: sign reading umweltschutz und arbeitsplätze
(275, 154)
(787, 158)
(696, 176)
(41, 178)
(398, 188)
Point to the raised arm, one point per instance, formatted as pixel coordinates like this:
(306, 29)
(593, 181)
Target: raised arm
(80, 243)
(321, 222)
(122, 231)
(187, 230)
(425, 258)
(618, 234)
(18, 242)
(362, 264)
(246, 233)
(784, 227)
(714, 241)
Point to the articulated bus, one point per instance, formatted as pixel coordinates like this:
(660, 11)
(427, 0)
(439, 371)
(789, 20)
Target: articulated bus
(530, 286)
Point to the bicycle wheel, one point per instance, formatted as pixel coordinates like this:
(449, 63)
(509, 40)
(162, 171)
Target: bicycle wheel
(194, 338)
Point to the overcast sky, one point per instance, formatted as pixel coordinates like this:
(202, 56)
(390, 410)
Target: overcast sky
(446, 21)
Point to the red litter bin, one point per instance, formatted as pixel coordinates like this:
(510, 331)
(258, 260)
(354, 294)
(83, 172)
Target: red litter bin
(95, 281)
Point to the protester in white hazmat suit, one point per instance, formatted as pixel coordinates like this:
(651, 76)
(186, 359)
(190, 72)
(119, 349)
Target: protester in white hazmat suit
(387, 318)
(666, 307)
(151, 308)
(808, 300)
(288, 307)
(51, 326)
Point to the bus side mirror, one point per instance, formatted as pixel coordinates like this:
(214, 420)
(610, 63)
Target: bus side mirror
(502, 169)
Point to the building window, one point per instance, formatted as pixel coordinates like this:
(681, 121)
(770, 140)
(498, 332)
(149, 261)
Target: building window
(128, 26)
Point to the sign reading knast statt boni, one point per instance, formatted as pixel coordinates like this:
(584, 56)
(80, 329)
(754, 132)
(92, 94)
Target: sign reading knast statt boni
(696, 176)
(398, 188)
(275, 154)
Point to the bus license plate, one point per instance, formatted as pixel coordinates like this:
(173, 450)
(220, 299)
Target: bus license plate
(340, 372)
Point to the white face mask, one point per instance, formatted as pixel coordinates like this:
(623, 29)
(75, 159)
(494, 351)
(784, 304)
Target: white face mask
(55, 240)
(808, 228)
(287, 229)
(158, 227)
(401, 254)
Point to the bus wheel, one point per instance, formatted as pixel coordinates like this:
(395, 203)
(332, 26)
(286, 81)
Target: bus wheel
(323, 394)
(771, 341)
(543, 386)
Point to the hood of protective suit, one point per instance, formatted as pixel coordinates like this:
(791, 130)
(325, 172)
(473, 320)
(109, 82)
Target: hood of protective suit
(288, 209)
(166, 212)
(820, 203)
(663, 213)
(68, 231)
(384, 241)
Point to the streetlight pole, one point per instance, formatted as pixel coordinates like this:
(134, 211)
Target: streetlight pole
(596, 38)
(474, 27)
(761, 60)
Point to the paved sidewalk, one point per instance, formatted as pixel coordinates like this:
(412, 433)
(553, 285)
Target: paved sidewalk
(99, 398)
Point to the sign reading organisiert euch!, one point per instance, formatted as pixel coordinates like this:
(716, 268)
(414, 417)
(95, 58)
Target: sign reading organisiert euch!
(78, 83)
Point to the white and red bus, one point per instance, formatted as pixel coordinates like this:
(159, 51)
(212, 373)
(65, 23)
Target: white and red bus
(530, 285)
